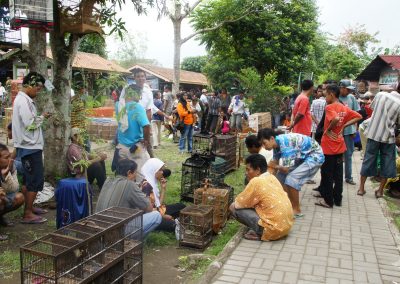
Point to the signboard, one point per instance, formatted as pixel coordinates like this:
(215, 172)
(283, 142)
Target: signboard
(389, 76)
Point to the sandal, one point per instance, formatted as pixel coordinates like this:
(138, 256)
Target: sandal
(38, 220)
(377, 194)
(298, 215)
(252, 236)
(361, 193)
(39, 211)
(317, 195)
(322, 203)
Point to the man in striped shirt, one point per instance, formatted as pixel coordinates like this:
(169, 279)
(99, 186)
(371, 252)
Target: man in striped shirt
(317, 110)
(381, 139)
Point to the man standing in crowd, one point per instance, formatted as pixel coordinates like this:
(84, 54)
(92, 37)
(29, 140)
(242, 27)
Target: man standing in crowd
(168, 98)
(381, 140)
(214, 110)
(28, 140)
(337, 117)
(317, 109)
(349, 132)
(204, 102)
(301, 122)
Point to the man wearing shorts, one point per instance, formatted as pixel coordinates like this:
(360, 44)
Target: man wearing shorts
(381, 140)
(28, 140)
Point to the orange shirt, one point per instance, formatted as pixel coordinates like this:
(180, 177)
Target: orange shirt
(266, 195)
(184, 114)
(302, 106)
(338, 146)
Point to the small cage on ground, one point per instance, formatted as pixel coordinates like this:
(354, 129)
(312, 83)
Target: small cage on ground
(203, 144)
(101, 248)
(218, 198)
(37, 14)
(194, 170)
(196, 226)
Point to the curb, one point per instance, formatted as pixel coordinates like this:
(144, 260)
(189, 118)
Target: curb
(390, 218)
(217, 264)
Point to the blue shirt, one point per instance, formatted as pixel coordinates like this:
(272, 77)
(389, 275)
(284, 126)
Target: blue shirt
(159, 105)
(351, 102)
(296, 148)
(137, 119)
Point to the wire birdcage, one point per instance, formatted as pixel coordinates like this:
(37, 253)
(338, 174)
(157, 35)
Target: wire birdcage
(196, 226)
(8, 37)
(194, 170)
(218, 168)
(203, 144)
(225, 147)
(218, 198)
(79, 17)
(96, 249)
(36, 14)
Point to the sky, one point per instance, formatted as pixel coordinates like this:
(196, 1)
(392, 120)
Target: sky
(335, 15)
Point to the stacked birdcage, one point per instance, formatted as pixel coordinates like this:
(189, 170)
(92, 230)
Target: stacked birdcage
(218, 168)
(101, 248)
(225, 147)
(37, 14)
(196, 226)
(218, 198)
(203, 144)
(194, 170)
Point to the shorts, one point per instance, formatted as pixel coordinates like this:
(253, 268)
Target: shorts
(9, 200)
(33, 171)
(300, 174)
(387, 159)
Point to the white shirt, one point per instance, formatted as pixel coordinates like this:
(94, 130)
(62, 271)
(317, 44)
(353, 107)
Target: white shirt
(147, 100)
(267, 154)
(24, 115)
(203, 99)
(237, 109)
(2, 91)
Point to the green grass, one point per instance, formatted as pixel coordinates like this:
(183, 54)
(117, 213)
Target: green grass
(9, 263)
(394, 207)
(223, 238)
(159, 239)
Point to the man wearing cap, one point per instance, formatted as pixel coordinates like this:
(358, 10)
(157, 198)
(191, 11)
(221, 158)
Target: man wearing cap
(349, 132)
(27, 136)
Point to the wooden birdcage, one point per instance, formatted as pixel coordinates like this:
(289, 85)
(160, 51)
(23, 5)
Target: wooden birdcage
(79, 17)
(36, 14)
(102, 248)
(196, 226)
(218, 198)
(225, 147)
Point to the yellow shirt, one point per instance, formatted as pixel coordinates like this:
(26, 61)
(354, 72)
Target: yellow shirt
(266, 195)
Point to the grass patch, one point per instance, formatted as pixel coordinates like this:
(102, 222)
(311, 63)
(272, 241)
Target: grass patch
(9, 263)
(223, 238)
(201, 268)
(159, 239)
(394, 207)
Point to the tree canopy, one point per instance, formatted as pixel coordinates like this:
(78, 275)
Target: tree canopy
(93, 43)
(195, 63)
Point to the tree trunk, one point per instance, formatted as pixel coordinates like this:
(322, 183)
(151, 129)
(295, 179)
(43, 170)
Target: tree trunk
(37, 48)
(177, 55)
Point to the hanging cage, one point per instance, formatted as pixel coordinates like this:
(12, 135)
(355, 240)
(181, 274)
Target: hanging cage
(36, 14)
(106, 247)
(8, 38)
(79, 17)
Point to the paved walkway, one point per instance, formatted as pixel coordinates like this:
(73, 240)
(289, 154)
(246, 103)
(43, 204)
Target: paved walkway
(351, 244)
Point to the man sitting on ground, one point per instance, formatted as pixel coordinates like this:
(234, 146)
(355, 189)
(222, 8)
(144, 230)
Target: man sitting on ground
(122, 191)
(10, 198)
(263, 206)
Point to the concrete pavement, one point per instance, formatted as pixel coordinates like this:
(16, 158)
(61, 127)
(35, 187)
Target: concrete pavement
(348, 244)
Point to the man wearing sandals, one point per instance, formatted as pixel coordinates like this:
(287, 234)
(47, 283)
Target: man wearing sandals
(337, 117)
(263, 206)
(381, 139)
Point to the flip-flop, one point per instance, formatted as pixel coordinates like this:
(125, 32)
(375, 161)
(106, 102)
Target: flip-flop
(322, 204)
(251, 237)
(39, 211)
(38, 220)
(378, 195)
(298, 215)
(317, 195)
(361, 193)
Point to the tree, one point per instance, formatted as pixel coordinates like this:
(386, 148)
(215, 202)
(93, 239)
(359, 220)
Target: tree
(195, 64)
(64, 47)
(277, 35)
(358, 40)
(93, 43)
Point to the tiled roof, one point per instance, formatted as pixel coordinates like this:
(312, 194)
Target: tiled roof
(374, 68)
(187, 77)
(93, 62)
(392, 60)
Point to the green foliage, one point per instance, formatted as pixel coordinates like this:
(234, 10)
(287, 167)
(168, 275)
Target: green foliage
(9, 263)
(159, 239)
(195, 63)
(265, 92)
(220, 241)
(93, 43)
(357, 39)
(272, 35)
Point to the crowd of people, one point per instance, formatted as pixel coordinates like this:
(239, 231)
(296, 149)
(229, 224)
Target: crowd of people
(319, 135)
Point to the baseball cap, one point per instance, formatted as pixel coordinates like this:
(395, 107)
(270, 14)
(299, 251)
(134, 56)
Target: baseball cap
(204, 91)
(346, 84)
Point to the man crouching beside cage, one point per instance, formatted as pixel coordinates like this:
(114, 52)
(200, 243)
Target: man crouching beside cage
(263, 206)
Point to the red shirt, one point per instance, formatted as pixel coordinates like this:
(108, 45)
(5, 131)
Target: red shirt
(302, 106)
(334, 147)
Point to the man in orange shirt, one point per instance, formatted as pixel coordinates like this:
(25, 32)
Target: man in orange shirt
(337, 117)
(302, 120)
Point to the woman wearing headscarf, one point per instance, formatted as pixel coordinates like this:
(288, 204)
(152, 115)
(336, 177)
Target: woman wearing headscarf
(154, 186)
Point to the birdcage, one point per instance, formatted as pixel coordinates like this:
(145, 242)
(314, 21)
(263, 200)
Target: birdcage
(196, 226)
(98, 249)
(79, 17)
(36, 14)
(218, 168)
(218, 198)
(194, 170)
(8, 37)
(203, 144)
(225, 147)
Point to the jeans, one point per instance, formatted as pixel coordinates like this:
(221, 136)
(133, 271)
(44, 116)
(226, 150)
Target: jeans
(186, 133)
(250, 218)
(277, 120)
(150, 222)
(236, 121)
(332, 173)
(348, 139)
